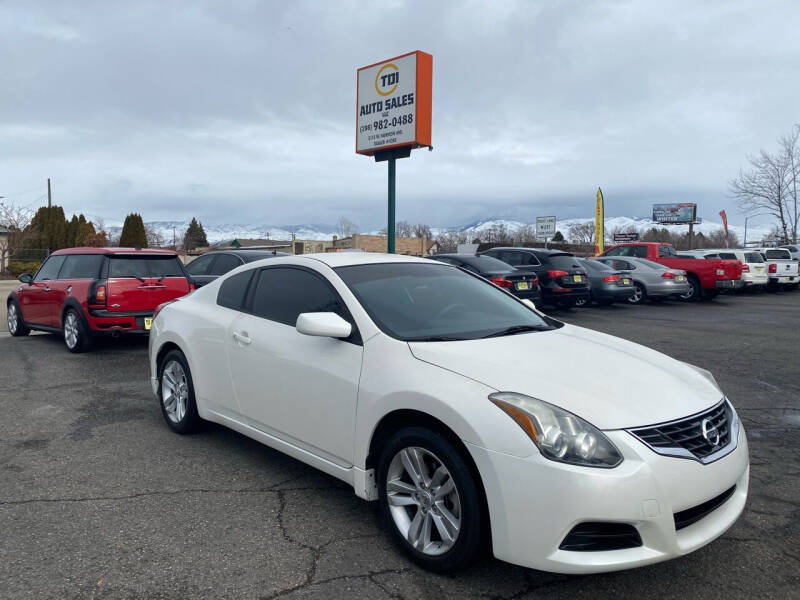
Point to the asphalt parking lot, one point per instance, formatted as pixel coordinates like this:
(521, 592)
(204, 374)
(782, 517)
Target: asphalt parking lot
(98, 499)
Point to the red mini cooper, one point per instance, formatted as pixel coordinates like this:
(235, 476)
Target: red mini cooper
(83, 292)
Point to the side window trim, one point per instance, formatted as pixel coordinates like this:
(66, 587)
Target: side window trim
(247, 307)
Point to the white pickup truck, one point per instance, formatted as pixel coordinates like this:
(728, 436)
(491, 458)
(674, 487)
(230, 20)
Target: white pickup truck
(782, 269)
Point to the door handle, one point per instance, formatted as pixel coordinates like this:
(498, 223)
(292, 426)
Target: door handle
(242, 338)
(46, 289)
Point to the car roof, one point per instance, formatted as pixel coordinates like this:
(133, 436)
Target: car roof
(249, 252)
(138, 251)
(548, 251)
(346, 259)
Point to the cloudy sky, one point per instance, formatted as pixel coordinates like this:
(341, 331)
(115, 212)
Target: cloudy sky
(243, 112)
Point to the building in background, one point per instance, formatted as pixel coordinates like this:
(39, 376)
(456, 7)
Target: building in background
(413, 246)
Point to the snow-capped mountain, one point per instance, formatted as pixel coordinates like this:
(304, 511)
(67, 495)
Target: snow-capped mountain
(317, 231)
(613, 224)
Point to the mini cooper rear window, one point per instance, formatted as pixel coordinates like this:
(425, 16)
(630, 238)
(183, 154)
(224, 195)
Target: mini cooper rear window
(144, 266)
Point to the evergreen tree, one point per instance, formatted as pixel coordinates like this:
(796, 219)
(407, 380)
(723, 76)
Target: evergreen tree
(195, 236)
(73, 233)
(558, 237)
(133, 234)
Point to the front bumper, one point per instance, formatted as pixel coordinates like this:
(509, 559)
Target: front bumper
(534, 503)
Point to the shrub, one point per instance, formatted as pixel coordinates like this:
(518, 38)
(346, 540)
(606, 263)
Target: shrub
(17, 268)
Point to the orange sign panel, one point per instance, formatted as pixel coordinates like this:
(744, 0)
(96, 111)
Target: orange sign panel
(393, 103)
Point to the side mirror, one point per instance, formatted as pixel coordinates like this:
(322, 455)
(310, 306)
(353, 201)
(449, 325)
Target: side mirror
(26, 278)
(323, 324)
(529, 304)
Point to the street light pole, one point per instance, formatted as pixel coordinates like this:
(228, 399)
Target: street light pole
(745, 225)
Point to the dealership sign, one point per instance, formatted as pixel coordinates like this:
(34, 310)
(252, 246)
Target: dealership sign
(685, 212)
(545, 227)
(393, 103)
(626, 237)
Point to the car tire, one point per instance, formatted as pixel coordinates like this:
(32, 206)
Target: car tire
(639, 294)
(16, 326)
(73, 329)
(176, 393)
(695, 290)
(444, 532)
(581, 302)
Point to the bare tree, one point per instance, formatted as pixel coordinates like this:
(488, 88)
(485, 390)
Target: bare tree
(154, 237)
(766, 185)
(345, 227)
(16, 219)
(449, 240)
(582, 233)
(403, 229)
(791, 152)
(421, 230)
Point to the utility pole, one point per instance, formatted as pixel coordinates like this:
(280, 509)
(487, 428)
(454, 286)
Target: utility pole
(49, 197)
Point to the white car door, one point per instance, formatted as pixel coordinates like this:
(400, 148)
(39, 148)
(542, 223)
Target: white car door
(299, 388)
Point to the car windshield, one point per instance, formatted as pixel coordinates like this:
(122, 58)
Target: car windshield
(433, 302)
(778, 254)
(753, 257)
(651, 264)
(485, 264)
(594, 265)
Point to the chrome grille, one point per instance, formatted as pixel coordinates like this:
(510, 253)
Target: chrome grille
(705, 437)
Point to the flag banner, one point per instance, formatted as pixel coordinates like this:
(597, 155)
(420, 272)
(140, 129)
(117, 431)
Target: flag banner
(725, 226)
(599, 229)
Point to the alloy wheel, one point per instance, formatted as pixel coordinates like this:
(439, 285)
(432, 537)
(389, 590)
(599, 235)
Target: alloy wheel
(174, 391)
(71, 330)
(423, 500)
(11, 318)
(637, 295)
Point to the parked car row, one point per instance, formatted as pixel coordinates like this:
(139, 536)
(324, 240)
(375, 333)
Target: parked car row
(429, 388)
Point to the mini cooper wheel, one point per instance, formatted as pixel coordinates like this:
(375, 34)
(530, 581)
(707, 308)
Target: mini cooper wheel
(176, 393)
(639, 294)
(429, 500)
(16, 326)
(76, 338)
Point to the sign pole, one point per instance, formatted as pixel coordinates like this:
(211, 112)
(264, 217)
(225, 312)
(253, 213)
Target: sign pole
(390, 222)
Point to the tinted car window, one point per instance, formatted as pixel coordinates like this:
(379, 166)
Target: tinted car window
(653, 265)
(487, 264)
(225, 263)
(663, 251)
(430, 302)
(777, 254)
(596, 266)
(282, 294)
(142, 267)
(199, 266)
(728, 255)
(753, 257)
(81, 266)
(564, 261)
(49, 270)
(233, 289)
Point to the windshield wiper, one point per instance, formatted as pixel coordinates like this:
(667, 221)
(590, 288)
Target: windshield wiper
(514, 329)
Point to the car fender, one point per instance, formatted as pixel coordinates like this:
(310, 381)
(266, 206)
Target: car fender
(74, 304)
(393, 379)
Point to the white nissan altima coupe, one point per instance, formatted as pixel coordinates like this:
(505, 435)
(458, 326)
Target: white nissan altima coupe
(465, 413)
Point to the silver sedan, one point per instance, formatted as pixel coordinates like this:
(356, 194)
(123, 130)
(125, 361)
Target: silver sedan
(650, 279)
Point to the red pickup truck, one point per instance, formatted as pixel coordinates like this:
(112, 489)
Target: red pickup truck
(707, 277)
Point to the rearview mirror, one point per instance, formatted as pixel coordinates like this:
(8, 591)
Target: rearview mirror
(26, 278)
(323, 324)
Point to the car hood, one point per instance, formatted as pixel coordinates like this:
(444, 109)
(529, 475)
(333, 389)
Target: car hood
(610, 382)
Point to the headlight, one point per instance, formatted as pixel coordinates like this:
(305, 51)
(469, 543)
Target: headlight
(559, 435)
